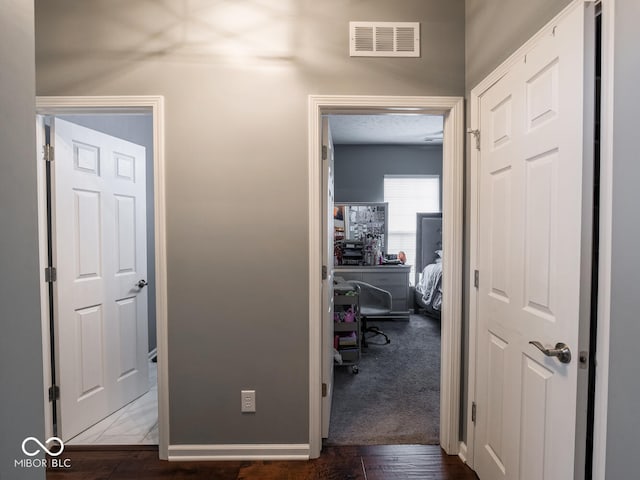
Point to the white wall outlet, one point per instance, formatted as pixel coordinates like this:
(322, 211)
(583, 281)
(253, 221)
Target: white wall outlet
(248, 399)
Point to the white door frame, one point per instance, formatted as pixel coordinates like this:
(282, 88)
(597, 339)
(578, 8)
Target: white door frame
(604, 266)
(452, 207)
(106, 105)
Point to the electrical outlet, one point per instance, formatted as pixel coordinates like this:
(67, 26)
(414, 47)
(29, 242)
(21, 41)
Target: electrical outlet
(248, 401)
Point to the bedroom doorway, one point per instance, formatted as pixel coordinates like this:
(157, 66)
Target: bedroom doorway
(452, 111)
(86, 147)
(393, 160)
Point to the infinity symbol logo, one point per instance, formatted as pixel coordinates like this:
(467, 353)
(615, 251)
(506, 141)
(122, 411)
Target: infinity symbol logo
(44, 447)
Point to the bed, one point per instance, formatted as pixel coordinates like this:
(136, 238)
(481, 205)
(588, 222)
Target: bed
(429, 288)
(428, 281)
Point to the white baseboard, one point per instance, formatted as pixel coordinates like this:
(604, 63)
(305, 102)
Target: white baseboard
(239, 452)
(462, 452)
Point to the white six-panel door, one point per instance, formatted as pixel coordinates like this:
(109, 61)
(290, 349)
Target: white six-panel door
(327, 284)
(100, 255)
(529, 246)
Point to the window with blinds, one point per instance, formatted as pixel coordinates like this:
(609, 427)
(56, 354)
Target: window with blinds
(406, 196)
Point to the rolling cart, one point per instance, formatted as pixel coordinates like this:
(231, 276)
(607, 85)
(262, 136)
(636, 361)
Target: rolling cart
(346, 324)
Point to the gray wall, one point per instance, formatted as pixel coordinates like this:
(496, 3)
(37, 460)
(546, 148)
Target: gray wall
(623, 430)
(138, 129)
(236, 160)
(21, 402)
(360, 169)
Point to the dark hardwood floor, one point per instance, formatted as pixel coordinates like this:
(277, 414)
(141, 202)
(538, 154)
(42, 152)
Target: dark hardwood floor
(382, 462)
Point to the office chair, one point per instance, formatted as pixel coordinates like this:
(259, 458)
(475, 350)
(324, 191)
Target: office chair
(374, 301)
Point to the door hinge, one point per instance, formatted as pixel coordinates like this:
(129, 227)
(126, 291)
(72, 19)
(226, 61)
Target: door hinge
(324, 272)
(324, 389)
(324, 152)
(47, 153)
(476, 278)
(476, 134)
(50, 274)
(54, 393)
(473, 412)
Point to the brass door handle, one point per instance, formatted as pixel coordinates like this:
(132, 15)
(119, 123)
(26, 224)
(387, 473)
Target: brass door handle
(561, 351)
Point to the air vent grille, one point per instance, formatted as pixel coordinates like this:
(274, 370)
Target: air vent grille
(384, 39)
(363, 39)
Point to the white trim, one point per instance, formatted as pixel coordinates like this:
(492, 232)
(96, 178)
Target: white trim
(155, 105)
(44, 289)
(474, 120)
(463, 452)
(453, 261)
(604, 260)
(239, 452)
(453, 184)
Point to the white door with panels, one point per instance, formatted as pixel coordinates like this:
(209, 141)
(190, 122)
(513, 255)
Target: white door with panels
(530, 213)
(99, 232)
(327, 282)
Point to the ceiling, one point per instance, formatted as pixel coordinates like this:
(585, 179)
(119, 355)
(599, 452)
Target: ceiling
(387, 129)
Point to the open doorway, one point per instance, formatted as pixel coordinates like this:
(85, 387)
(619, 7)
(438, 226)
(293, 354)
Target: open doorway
(104, 317)
(321, 346)
(388, 193)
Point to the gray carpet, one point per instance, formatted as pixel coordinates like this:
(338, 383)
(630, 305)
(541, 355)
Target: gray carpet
(395, 399)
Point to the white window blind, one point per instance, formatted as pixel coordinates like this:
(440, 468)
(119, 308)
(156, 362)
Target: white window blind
(406, 196)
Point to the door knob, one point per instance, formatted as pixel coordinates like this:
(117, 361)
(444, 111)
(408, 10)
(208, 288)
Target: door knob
(561, 351)
(142, 284)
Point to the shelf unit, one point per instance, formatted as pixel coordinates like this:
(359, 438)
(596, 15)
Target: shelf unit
(352, 252)
(361, 219)
(346, 324)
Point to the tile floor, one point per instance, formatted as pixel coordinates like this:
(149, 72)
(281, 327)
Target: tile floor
(134, 424)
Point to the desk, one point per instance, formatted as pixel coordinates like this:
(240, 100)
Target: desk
(393, 278)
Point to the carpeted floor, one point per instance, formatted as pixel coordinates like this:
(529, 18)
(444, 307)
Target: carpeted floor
(395, 398)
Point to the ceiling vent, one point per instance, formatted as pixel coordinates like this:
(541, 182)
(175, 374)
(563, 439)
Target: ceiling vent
(384, 39)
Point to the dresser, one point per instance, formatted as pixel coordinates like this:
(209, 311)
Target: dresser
(393, 278)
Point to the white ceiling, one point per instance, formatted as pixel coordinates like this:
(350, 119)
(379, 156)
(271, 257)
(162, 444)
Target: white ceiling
(387, 129)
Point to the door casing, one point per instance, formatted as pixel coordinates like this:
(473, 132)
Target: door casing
(452, 207)
(103, 105)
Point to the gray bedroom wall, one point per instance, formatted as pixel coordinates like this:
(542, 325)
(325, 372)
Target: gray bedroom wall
(22, 399)
(623, 422)
(236, 177)
(138, 129)
(360, 169)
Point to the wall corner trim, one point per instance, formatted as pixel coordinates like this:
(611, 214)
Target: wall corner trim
(296, 451)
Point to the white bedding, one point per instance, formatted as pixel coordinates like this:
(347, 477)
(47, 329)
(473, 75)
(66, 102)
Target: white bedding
(430, 285)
